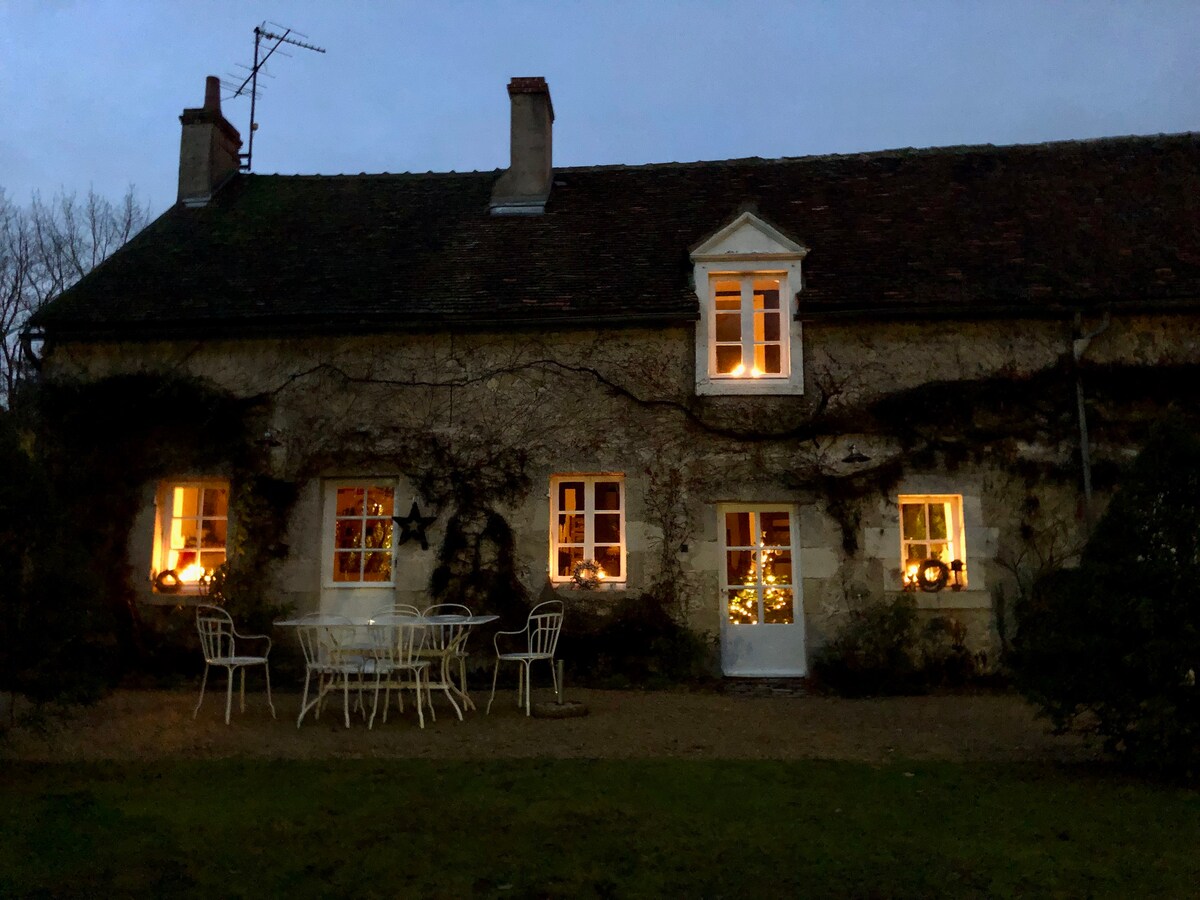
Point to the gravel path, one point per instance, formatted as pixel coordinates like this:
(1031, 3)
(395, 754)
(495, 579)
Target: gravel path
(140, 725)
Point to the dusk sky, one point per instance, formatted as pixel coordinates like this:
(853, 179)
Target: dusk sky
(91, 92)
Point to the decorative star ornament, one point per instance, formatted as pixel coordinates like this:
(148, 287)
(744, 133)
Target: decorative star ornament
(413, 526)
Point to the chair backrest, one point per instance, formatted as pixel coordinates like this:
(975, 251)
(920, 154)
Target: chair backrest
(544, 626)
(216, 633)
(322, 638)
(442, 635)
(396, 641)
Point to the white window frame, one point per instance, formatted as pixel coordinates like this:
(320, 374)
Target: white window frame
(589, 523)
(166, 517)
(956, 530)
(744, 249)
(756, 509)
(329, 532)
(747, 314)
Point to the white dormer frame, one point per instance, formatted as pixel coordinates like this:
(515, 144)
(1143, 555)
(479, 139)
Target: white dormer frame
(748, 246)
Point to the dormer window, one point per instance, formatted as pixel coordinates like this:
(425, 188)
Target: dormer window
(748, 340)
(749, 328)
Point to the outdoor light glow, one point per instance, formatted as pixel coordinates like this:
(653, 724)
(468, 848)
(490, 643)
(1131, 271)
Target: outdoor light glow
(755, 372)
(738, 370)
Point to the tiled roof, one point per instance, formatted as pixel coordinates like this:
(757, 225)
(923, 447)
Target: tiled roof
(967, 230)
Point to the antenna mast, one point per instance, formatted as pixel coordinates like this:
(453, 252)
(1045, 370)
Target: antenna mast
(262, 33)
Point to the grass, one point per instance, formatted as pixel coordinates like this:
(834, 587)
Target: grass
(569, 828)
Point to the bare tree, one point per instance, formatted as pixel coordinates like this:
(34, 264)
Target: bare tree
(47, 247)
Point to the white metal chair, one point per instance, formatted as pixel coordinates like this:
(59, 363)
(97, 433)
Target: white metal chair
(326, 644)
(396, 665)
(444, 646)
(219, 642)
(541, 641)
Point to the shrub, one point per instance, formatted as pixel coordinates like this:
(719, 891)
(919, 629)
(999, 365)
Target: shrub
(874, 653)
(637, 643)
(1115, 644)
(53, 642)
(881, 650)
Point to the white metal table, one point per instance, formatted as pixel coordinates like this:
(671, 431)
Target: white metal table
(445, 682)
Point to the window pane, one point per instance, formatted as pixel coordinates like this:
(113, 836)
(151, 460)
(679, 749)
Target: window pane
(728, 359)
(610, 560)
(739, 567)
(211, 560)
(912, 522)
(729, 328)
(379, 502)
(608, 495)
(186, 502)
(766, 293)
(769, 359)
(567, 558)
(777, 606)
(743, 606)
(937, 521)
(350, 501)
(378, 533)
(777, 567)
(728, 295)
(607, 528)
(917, 553)
(570, 529)
(570, 496)
(770, 326)
(939, 551)
(216, 502)
(737, 530)
(349, 534)
(377, 567)
(775, 529)
(213, 534)
(346, 566)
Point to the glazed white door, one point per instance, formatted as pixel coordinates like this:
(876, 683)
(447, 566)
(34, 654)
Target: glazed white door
(358, 547)
(762, 629)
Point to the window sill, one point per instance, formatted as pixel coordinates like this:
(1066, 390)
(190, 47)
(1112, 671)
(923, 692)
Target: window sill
(948, 599)
(742, 387)
(179, 599)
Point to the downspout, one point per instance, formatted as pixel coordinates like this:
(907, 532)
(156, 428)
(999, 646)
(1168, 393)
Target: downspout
(1079, 346)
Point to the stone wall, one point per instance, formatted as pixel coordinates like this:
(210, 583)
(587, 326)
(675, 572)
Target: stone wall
(622, 401)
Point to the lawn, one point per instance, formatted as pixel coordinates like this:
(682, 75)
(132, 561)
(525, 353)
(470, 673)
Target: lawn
(572, 828)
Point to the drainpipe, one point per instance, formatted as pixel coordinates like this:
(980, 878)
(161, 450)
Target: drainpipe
(1079, 345)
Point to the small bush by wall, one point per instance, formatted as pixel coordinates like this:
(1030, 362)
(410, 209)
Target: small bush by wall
(883, 650)
(636, 643)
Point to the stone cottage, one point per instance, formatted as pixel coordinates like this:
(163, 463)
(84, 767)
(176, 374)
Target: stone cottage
(769, 390)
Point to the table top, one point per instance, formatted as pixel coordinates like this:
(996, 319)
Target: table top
(386, 619)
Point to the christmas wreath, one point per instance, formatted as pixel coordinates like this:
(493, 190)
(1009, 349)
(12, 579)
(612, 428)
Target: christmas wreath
(587, 574)
(167, 582)
(932, 575)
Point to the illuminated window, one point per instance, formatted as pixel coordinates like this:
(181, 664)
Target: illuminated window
(193, 532)
(360, 538)
(587, 523)
(759, 576)
(749, 336)
(931, 527)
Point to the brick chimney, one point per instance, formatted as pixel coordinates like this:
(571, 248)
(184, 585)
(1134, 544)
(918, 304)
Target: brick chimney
(525, 187)
(208, 149)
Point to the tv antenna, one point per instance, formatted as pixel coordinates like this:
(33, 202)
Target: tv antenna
(250, 85)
